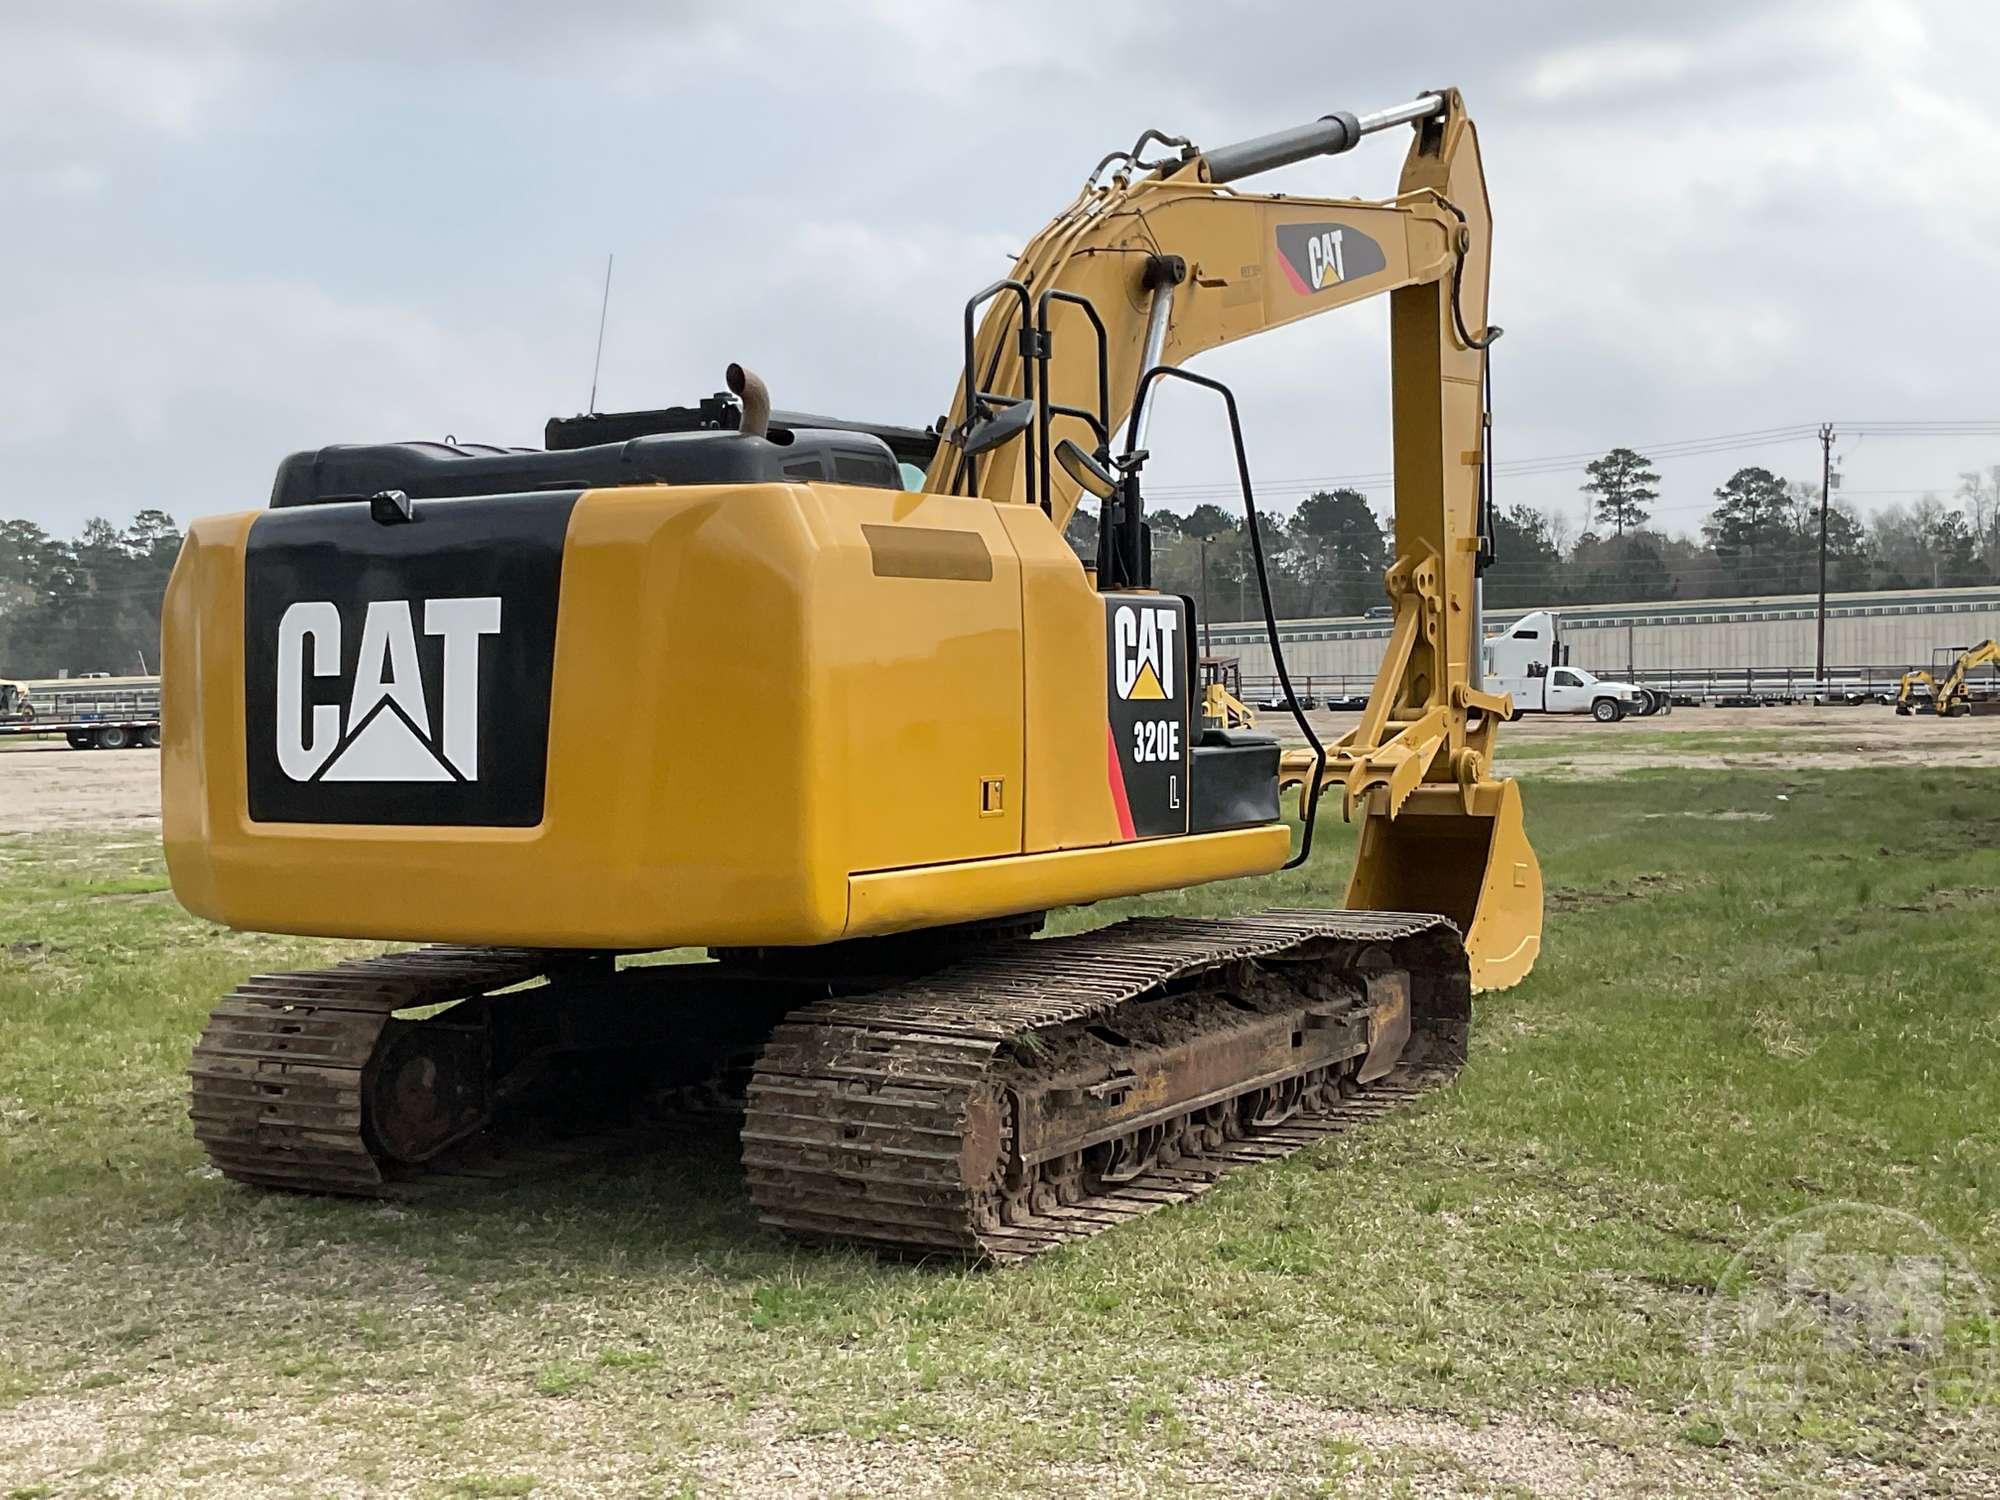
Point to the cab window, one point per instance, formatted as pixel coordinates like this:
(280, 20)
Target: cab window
(1565, 679)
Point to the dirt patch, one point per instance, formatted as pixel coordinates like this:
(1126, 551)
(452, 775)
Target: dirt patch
(1955, 898)
(1638, 888)
(1595, 767)
(1430, 1454)
(1223, 1439)
(48, 787)
(1239, 1438)
(1733, 815)
(1782, 739)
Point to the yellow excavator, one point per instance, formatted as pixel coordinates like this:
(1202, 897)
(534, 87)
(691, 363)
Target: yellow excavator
(718, 677)
(1949, 696)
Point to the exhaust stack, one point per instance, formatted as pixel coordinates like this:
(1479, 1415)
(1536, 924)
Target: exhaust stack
(756, 399)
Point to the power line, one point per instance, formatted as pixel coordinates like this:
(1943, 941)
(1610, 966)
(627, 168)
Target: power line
(1550, 463)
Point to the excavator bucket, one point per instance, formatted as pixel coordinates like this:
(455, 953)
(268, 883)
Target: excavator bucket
(1464, 854)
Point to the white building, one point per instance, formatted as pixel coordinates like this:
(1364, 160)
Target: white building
(1871, 637)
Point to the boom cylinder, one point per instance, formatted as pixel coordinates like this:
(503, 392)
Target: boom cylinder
(1327, 136)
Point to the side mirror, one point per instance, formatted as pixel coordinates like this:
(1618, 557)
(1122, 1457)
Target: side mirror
(990, 432)
(1085, 470)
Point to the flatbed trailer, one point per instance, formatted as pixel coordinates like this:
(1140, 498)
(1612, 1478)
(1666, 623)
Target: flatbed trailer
(115, 714)
(110, 733)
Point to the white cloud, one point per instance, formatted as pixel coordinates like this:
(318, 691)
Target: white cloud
(245, 226)
(1599, 69)
(70, 180)
(184, 394)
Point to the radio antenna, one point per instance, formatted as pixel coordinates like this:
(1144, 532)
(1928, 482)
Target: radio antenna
(603, 307)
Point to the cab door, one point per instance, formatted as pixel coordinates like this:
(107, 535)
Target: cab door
(1567, 692)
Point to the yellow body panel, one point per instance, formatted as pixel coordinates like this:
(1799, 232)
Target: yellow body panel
(904, 900)
(761, 703)
(1069, 799)
(923, 676)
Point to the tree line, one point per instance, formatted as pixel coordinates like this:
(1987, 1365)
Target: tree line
(1760, 536)
(92, 603)
(85, 604)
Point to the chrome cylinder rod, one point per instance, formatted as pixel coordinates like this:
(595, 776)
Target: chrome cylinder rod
(1475, 671)
(1420, 108)
(1327, 136)
(1157, 318)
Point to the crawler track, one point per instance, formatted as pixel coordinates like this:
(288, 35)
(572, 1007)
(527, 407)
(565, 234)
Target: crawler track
(1044, 1091)
(285, 1071)
(1025, 1095)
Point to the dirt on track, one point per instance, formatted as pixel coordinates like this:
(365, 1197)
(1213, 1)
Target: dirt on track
(47, 787)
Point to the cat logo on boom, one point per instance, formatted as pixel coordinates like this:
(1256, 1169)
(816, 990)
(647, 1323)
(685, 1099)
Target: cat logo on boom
(1319, 257)
(387, 731)
(1142, 638)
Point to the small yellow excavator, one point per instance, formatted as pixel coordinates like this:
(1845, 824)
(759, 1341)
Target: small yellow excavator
(1949, 696)
(717, 678)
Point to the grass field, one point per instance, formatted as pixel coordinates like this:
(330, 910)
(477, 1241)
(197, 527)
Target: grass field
(1761, 995)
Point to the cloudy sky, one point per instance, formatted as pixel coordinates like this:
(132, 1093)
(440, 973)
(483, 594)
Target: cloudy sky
(235, 228)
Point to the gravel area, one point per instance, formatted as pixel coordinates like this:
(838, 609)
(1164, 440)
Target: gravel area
(46, 787)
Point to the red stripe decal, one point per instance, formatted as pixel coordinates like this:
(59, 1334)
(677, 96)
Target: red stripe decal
(1116, 775)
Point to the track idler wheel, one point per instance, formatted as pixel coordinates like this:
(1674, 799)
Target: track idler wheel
(427, 1087)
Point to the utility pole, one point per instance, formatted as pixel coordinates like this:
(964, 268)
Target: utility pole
(1825, 489)
(603, 307)
(1207, 640)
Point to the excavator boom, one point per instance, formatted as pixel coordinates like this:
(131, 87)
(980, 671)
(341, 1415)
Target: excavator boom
(1176, 260)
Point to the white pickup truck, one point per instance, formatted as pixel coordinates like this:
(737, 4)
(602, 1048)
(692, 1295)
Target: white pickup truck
(1528, 660)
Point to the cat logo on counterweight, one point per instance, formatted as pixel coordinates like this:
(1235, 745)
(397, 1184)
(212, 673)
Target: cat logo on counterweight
(389, 731)
(1142, 641)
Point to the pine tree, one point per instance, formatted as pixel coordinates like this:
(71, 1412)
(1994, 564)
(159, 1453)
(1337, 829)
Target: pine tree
(1751, 531)
(1344, 553)
(1622, 485)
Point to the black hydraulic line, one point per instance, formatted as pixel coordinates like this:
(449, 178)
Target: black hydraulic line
(1132, 159)
(1463, 245)
(1310, 800)
(1483, 343)
(1489, 509)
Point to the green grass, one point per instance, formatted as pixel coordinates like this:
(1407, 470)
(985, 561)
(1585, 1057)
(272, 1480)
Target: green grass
(1682, 744)
(1734, 1021)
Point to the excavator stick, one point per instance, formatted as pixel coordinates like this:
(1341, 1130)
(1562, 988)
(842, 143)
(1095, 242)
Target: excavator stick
(1471, 863)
